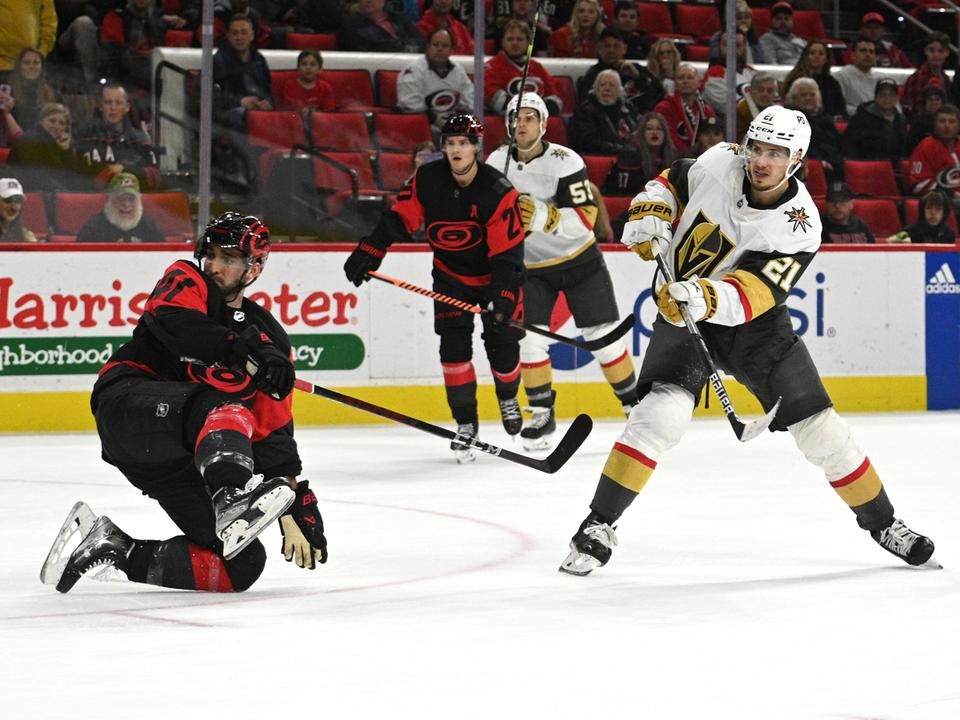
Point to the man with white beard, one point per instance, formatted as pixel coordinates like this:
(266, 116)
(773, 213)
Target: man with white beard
(122, 218)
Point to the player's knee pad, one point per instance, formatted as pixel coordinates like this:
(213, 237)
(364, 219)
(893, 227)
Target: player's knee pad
(223, 452)
(534, 348)
(659, 421)
(826, 441)
(503, 356)
(247, 566)
(609, 353)
(456, 346)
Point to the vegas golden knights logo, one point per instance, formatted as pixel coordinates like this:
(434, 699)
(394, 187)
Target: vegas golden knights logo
(702, 249)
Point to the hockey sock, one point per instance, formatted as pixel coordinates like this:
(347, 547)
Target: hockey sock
(178, 563)
(460, 380)
(506, 383)
(538, 382)
(223, 453)
(626, 472)
(619, 373)
(864, 493)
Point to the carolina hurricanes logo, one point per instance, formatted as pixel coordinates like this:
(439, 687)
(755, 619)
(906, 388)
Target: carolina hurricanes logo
(534, 85)
(949, 178)
(454, 236)
(443, 101)
(799, 218)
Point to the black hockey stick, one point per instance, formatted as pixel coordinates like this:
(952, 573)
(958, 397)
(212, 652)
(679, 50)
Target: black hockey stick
(590, 345)
(568, 445)
(523, 84)
(744, 431)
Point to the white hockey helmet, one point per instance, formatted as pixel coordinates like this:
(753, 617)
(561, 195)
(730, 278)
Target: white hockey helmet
(528, 100)
(778, 125)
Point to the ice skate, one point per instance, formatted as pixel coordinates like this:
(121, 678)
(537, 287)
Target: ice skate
(243, 513)
(464, 453)
(102, 551)
(590, 548)
(510, 414)
(538, 434)
(78, 524)
(911, 547)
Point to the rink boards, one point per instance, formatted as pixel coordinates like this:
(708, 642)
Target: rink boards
(882, 324)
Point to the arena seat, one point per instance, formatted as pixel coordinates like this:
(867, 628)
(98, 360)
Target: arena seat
(315, 41)
(400, 132)
(34, 214)
(72, 210)
(556, 131)
(275, 129)
(656, 21)
(567, 90)
(171, 212)
(342, 131)
(385, 82)
(4, 154)
(874, 178)
(697, 21)
(598, 167)
(394, 168)
(495, 132)
(816, 181)
(881, 216)
(178, 38)
(352, 89)
(761, 20)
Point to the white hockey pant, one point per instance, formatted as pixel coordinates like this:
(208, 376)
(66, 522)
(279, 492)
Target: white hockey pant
(658, 422)
(826, 441)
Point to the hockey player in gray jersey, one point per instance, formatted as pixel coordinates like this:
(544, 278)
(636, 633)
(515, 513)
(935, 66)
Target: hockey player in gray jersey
(561, 254)
(737, 231)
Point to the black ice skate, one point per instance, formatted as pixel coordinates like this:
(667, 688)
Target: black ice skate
(538, 434)
(243, 513)
(104, 549)
(463, 452)
(590, 548)
(510, 414)
(911, 547)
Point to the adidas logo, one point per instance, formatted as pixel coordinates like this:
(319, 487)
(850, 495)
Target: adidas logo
(943, 282)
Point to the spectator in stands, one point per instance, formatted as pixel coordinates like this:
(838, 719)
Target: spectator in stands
(440, 15)
(433, 85)
(878, 129)
(503, 72)
(10, 129)
(127, 38)
(524, 11)
(11, 213)
(641, 88)
(840, 225)
(112, 145)
(826, 143)
(307, 91)
(745, 25)
(626, 18)
(814, 63)
(372, 28)
(44, 156)
(762, 93)
(77, 39)
(650, 152)
(684, 110)
(932, 224)
(579, 37)
(122, 218)
(709, 134)
(318, 16)
(25, 25)
(242, 76)
(780, 46)
(714, 81)
(663, 61)
(29, 87)
(936, 50)
(858, 79)
(424, 152)
(935, 160)
(226, 10)
(603, 122)
(873, 26)
(921, 124)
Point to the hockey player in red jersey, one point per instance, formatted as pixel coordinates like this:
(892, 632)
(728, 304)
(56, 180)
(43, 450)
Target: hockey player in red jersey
(195, 411)
(737, 230)
(470, 214)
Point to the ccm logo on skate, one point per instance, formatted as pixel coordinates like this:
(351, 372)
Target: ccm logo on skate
(454, 237)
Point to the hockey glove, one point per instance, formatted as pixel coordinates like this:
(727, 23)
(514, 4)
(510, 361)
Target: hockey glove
(699, 296)
(649, 223)
(302, 528)
(271, 370)
(503, 306)
(537, 215)
(365, 258)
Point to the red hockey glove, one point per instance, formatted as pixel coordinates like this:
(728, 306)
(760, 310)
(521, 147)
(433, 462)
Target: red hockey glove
(302, 528)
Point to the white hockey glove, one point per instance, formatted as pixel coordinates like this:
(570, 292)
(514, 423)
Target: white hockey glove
(699, 296)
(537, 215)
(649, 223)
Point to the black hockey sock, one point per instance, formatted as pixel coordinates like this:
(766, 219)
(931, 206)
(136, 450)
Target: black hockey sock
(610, 500)
(876, 514)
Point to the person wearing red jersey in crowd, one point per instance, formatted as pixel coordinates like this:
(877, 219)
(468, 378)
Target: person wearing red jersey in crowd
(935, 162)
(440, 16)
(195, 411)
(579, 37)
(504, 72)
(307, 91)
(936, 50)
(873, 26)
(684, 110)
(474, 225)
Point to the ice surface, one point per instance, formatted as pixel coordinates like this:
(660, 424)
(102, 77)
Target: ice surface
(742, 588)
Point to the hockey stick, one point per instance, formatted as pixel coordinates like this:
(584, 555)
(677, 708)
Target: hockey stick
(590, 345)
(744, 431)
(523, 84)
(568, 445)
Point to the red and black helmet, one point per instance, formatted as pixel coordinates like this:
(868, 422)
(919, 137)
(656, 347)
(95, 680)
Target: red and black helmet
(233, 230)
(462, 124)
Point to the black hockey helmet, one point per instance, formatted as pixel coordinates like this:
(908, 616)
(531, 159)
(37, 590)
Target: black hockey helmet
(462, 124)
(233, 230)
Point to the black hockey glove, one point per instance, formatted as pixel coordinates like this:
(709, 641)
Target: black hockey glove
(504, 305)
(302, 528)
(271, 370)
(365, 258)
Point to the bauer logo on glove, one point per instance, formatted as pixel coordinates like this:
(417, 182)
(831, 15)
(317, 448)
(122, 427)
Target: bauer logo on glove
(646, 208)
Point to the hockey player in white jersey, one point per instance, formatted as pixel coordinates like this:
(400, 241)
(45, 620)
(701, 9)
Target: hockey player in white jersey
(561, 254)
(737, 230)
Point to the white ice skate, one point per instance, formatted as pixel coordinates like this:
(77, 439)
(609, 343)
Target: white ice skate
(80, 521)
